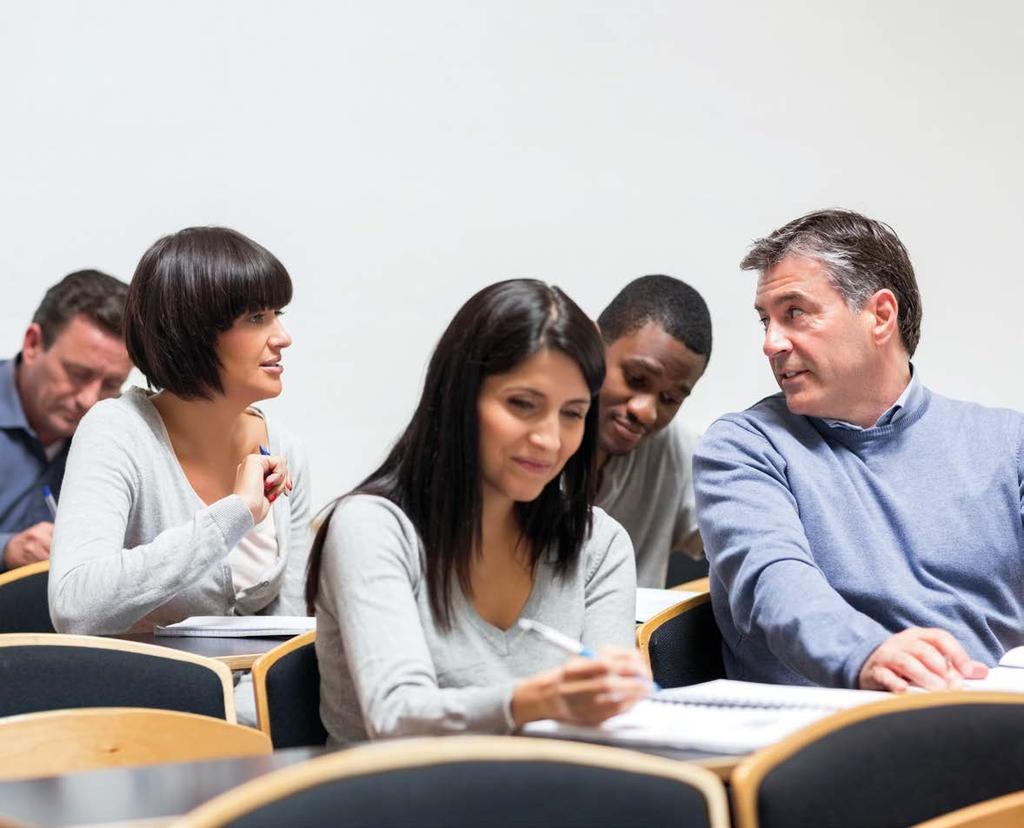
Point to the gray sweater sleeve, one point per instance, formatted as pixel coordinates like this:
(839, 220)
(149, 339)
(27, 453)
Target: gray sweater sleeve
(96, 585)
(370, 574)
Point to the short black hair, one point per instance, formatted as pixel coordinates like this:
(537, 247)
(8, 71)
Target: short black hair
(190, 287)
(93, 294)
(670, 302)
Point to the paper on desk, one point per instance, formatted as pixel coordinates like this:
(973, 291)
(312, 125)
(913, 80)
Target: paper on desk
(239, 626)
(649, 602)
(719, 716)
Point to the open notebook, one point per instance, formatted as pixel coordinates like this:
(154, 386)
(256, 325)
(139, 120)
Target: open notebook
(239, 626)
(719, 716)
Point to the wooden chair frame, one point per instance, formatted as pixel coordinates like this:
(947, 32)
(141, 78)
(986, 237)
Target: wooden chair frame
(100, 642)
(23, 572)
(1001, 812)
(696, 585)
(56, 742)
(408, 753)
(262, 666)
(747, 777)
(649, 627)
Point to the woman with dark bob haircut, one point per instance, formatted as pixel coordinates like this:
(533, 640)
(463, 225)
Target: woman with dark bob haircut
(169, 507)
(481, 516)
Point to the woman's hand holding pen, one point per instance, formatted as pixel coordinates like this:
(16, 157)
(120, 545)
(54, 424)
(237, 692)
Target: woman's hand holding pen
(584, 690)
(259, 480)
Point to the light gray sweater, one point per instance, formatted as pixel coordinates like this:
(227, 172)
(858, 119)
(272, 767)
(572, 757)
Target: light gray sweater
(387, 669)
(650, 492)
(134, 545)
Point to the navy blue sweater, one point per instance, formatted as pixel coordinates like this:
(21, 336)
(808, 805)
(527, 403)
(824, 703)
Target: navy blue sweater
(824, 541)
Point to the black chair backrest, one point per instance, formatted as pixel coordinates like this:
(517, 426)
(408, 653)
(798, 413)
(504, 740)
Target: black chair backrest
(24, 606)
(898, 769)
(499, 793)
(687, 649)
(37, 677)
(293, 699)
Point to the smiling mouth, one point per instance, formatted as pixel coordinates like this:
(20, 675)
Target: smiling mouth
(628, 430)
(533, 466)
(788, 375)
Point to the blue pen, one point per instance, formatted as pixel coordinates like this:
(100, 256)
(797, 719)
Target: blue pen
(562, 641)
(264, 451)
(51, 502)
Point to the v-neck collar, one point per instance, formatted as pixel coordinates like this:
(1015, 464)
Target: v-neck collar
(503, 641)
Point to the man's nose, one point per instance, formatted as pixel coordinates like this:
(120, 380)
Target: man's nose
(775, 341)
(644, 409)
(89, 395)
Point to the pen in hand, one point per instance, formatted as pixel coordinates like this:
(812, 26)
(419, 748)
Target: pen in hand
(51, 502)
(565, 643)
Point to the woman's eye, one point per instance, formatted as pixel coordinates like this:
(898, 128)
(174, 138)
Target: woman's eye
(520, 403)
(574, 414)
(256, 319)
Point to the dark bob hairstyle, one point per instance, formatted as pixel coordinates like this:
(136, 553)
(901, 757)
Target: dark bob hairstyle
(433, 471)
(190, 287)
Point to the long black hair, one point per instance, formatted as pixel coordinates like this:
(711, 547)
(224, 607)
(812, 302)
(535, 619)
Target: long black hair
(433, 472)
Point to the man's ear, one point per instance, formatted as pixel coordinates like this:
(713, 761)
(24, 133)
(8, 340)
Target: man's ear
(885, 311)
(32, 344)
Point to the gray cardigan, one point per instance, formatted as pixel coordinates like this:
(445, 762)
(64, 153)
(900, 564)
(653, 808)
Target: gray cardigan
(387, 669)
(134, 545)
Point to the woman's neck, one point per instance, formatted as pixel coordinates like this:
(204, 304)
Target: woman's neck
(500, 532)
(204, 428)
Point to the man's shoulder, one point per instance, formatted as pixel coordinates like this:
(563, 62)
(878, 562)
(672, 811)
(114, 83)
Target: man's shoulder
(768, 416)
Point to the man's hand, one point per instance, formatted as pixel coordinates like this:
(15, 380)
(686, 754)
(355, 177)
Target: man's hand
(29, 546)
(919, 657)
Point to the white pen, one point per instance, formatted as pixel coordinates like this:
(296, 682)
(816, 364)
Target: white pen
(560, 640)
(565, 643)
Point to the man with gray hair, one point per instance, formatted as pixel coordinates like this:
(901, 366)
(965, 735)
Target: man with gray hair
(862, 530)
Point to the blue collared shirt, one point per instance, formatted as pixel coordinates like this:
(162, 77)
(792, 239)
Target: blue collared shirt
(26, 468)
(890, 414)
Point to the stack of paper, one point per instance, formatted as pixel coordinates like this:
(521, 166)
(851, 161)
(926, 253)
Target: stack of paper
(718, 716)
(239, 626)
(649, 602)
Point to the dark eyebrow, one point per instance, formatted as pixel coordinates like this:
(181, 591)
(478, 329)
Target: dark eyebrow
(77, 366)
(656, 369)
(533, 392)
(651, 366)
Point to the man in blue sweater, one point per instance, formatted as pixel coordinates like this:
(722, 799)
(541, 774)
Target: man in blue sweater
(862, 530)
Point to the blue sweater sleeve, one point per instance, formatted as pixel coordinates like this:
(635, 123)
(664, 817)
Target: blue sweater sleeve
(759, 552)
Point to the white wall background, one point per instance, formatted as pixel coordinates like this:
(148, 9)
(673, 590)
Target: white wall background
(397, 156)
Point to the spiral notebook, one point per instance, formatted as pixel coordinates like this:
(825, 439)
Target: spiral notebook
(719, 716)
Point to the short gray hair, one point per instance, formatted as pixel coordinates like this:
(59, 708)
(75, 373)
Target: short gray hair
(860, 255)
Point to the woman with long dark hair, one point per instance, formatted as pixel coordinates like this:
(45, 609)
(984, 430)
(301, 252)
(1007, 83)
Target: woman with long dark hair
(480, 516)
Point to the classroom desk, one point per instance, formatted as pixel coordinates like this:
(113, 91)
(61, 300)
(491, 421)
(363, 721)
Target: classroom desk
(236, 653)
(120, 795)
